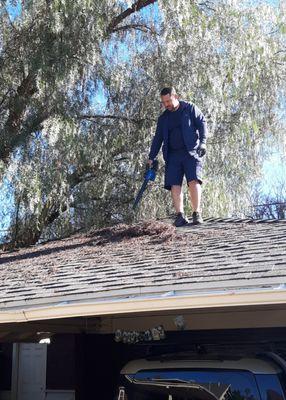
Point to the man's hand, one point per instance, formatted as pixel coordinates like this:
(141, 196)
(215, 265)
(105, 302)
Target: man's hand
(201, 150)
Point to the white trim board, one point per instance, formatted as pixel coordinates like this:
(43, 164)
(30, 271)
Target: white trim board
(166, 302)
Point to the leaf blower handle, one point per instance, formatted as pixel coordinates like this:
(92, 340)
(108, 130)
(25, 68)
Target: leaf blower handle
(150, 175)
(151, 170)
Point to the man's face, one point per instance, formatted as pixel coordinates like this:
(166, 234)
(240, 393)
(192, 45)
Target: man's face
(170, 102)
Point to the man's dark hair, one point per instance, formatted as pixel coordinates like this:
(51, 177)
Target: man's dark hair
(168, 90)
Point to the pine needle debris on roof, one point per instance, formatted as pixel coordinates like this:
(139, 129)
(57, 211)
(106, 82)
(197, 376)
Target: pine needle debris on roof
(160, 231)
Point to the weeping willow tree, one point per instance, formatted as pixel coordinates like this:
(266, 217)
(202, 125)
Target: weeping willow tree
(230, 60)
(79, 103)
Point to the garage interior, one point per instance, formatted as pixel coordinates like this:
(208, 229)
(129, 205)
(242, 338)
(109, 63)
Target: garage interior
(84, 357)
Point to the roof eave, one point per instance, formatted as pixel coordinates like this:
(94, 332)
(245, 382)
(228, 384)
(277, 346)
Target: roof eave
(142, 304)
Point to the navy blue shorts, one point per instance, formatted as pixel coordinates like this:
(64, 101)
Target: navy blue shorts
(179, 164)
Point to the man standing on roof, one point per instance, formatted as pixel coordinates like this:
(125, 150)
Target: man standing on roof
(182, 129)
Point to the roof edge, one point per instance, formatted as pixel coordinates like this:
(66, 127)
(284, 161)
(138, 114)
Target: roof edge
(169, 302)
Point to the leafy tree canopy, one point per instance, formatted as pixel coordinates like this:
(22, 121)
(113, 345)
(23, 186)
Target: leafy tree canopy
(79, 100)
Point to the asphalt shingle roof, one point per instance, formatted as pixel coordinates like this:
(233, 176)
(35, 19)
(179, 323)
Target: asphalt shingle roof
(221, 254)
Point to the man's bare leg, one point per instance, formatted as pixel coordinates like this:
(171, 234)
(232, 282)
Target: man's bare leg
(178, 198)
(178, 202)
(195, 192)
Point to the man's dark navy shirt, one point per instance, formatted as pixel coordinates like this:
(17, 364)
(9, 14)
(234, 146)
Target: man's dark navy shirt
(193, 128)
(175, 134)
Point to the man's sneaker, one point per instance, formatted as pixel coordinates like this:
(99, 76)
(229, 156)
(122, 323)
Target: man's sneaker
(180, 220)
(197, 218)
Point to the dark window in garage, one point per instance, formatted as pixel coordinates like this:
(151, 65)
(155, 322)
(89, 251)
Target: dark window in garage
(6, 350)
(61, 363)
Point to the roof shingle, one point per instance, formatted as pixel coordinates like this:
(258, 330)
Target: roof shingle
(219, 255)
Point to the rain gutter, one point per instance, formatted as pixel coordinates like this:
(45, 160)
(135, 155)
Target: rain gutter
(165, 301)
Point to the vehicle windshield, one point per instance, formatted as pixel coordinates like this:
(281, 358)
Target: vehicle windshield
(194, 384)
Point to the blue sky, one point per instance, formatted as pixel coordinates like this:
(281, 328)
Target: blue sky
(273, 173)
(14, 10)
(6, 201)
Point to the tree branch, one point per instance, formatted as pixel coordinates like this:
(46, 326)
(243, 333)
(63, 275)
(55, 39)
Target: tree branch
(119, 117)
(82, 174)
(139, 27)
(17, 107)
(5, 97)
(137, 6)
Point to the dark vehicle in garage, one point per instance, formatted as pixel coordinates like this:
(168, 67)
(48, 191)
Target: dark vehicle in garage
(168, 378)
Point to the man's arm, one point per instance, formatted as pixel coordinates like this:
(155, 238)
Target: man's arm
(156, 142)
(200, 124)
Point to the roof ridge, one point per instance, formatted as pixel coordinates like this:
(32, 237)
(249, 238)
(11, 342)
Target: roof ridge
(232, 220)
(245, 220)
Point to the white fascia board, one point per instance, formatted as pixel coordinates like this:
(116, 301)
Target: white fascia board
(168, 302)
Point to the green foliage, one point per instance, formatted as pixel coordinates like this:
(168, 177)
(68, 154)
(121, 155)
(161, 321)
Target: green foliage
(76, 164)
(229, 60)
